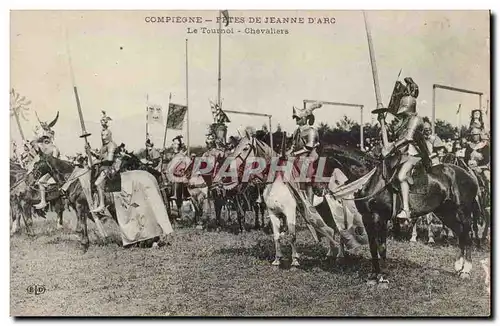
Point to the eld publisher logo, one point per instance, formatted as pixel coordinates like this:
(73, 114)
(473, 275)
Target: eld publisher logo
(36, 289)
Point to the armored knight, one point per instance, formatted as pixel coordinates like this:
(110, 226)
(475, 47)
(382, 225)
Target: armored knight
(45, 143)
(106, 160)
(305, 143)
(408, 132)
(434, 144)
(153, 156)
(179, 163)
(477, 154)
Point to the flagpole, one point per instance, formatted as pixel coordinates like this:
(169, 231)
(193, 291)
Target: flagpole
(219, 78)
(147, 127)
(166, 123)
(459, 120)
(187, 96)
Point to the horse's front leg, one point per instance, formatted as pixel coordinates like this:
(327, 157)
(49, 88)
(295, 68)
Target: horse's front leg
(82, 213)
(465, 243)
(240, 212)
(430, 235)
(276, 223)
(16, 219)
(291, 220)
(218, 203)
(414, 232)
(382, 248)
(371, 230)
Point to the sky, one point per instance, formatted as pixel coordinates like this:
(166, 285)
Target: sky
(119, 61)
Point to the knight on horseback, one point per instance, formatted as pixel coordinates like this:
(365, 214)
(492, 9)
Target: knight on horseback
(45, 144)
(152, 155)
(410, 126)
(477, 154)
(106, 160)
(434, 144)
(181, 161)
(305, 144)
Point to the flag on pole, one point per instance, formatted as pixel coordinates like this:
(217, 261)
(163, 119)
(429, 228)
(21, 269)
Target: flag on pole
(217, 113)
(175, 118)
(155, 113)
(459, 106)
(225, 13)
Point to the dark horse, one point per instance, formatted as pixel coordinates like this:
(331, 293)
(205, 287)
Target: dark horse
(61, 171)
(24, 194)
(482, 206)
(447, 190)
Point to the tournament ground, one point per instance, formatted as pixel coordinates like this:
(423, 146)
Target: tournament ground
(223, 274)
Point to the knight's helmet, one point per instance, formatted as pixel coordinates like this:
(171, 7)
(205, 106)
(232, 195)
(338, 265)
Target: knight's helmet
(220, 131)
(306, 112)
(45, 131)
(105, 119)
(181, 146)
(408, 103)
(106, 134)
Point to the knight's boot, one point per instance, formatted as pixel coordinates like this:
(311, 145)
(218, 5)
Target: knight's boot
(42, 203)
(349, 240)
(100, 207)
(310, 194)
(174, 192)
(404, 214)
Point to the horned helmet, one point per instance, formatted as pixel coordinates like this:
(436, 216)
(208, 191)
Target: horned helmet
(306, 114)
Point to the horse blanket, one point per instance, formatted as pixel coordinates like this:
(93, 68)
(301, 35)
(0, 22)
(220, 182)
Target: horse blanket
(140, 208)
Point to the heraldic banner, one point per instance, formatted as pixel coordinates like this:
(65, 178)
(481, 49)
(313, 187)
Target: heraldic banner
(175, 118)
(140, 209)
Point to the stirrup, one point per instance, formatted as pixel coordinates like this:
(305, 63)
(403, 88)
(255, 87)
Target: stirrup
(40, 205)
(98, 209)
(403, 214)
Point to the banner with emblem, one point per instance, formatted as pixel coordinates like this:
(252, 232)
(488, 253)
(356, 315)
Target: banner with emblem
(175, 118)
(155, 113)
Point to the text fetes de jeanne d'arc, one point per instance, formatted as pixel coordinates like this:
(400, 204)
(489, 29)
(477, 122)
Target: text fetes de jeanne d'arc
(240, 20)
(271, 22)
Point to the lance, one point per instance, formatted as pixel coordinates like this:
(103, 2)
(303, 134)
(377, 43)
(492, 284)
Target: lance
(380, 106)
(84, 134)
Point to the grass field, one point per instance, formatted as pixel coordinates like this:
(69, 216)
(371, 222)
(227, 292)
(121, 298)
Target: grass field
(223, 274)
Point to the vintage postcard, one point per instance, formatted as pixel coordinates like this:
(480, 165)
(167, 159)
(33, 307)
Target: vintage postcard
(250, 163)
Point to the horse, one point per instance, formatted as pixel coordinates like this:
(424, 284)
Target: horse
(24, 194)
(279, 196)
(62, 171)
(482, 210)
(241, 197)
(446, 189)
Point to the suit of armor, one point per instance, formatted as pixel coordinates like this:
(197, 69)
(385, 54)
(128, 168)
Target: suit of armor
(304, 146)
(477, 155)
(109, 166)
(408, 133)
(47, 147)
